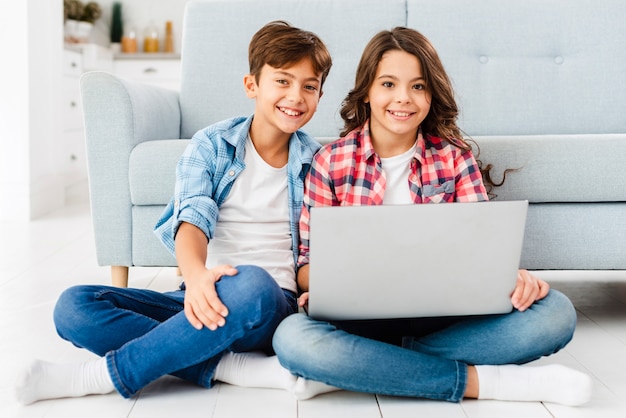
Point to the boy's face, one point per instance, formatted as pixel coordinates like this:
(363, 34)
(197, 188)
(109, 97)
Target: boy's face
(286, 98)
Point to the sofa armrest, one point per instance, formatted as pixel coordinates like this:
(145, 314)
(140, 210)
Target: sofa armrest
(119, 115)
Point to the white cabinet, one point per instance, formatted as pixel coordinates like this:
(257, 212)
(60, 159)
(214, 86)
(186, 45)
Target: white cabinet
(73, 165)
(77, 59)
(162, 70)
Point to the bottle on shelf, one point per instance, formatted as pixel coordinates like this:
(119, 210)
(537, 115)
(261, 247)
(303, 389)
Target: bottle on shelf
(169, 37)
(117, 25)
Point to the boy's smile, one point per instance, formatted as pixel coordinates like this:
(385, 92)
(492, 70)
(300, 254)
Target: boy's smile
(286, 98)
(290, 112)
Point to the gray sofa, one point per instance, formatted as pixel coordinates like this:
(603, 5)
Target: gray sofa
(541, 86)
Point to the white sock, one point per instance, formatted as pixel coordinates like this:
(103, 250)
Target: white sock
(253, 369)
(307, 389)
(551, 383)
(44, 380)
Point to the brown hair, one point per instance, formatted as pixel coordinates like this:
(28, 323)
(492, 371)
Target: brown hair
(279, 44)
(443, 114)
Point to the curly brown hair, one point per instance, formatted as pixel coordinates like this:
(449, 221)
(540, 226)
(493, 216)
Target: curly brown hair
(441, 120)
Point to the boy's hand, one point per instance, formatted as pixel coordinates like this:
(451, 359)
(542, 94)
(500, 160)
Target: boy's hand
(203, 307)
(528, 289)
(303, 301)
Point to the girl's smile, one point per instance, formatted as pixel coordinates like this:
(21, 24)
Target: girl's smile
(400, 115)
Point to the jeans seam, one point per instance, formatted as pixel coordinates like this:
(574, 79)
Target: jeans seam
(461, 382)
(175, 306)
(115, 377)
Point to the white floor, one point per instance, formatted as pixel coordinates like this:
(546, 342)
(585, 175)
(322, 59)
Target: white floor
(41, 258)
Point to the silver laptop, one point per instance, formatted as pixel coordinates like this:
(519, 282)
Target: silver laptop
(410, 261)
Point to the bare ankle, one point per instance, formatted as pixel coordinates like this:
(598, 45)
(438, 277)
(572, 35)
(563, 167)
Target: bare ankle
(471, 388)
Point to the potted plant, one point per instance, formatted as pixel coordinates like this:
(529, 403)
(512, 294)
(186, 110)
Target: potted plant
(79, 19)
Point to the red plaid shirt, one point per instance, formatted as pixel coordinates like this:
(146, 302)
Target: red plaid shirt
(348, 172)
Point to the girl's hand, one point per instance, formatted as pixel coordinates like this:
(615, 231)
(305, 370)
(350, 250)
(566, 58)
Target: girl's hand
(202, 305)
(528, 289)
(303, 301)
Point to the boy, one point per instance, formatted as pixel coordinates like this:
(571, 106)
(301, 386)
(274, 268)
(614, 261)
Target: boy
(236, 292)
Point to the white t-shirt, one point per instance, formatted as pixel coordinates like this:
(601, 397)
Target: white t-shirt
(397, 170)
(253, 222)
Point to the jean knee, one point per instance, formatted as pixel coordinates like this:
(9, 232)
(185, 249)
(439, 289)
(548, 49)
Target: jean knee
(292, 342)
(252, 284)
(254, 300)
(69, 311)
(563, 316)
(257, 277)
(551, 325)
(287, 333)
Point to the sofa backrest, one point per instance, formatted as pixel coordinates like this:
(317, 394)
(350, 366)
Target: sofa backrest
(532, 66)
(216, 35)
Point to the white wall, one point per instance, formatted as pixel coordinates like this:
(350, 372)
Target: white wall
(30, 91)
(14, 176)
(29, 88)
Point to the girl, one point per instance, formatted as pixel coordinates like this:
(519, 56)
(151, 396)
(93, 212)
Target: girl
(401, 145)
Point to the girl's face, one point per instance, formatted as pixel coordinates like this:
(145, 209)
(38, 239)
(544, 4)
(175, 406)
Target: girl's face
(399, 101)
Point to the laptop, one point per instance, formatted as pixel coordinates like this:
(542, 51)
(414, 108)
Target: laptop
(412, 261)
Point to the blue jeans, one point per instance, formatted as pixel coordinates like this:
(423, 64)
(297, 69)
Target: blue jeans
(425, 358)
(144, 334)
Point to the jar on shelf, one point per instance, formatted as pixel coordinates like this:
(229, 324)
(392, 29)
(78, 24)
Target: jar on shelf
(129, 40)
(151, 39)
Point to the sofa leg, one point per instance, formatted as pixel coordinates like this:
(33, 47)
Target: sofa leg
(119, 276)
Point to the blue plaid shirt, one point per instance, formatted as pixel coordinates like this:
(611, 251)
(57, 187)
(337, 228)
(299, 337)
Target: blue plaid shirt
(208, 168)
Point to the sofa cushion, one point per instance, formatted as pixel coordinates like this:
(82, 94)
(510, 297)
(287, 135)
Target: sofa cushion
(152, 171)
(575, 236)
(557, 168)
